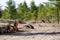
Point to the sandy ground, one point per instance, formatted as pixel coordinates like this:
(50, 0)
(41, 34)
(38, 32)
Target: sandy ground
(42, 31)
(32, 37)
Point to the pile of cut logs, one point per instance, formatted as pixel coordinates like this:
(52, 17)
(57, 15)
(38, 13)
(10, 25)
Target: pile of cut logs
(9, 28)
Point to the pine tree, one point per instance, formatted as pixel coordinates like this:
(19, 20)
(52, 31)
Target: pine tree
(25, 7)
(11, 9)
(33, 9)
(20, 11)
(0, 12)
(57, 5)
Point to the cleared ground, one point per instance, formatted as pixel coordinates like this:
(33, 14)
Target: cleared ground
(42, 31)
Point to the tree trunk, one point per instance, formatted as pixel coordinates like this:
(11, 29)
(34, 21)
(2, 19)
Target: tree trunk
(57, 16)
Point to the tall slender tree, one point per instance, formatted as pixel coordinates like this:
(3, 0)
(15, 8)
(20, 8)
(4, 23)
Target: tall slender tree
(0, 12)
(34, 10)
(11, 9)
(25, 7)
(57, 5)
(20, 11)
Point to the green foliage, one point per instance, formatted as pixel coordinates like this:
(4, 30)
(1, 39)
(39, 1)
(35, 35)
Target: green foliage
(0, 12)
(23, 12)
(34, 10)
(10, 12)
(57, 5)
(33, 6)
